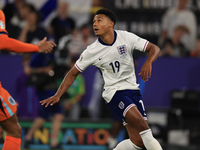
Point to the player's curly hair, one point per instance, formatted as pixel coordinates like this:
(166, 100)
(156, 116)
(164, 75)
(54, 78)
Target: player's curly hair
(108, 13)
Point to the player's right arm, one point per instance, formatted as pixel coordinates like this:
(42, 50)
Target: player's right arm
(66, 83)
(13, 45)
(81, 64)
(16, 46)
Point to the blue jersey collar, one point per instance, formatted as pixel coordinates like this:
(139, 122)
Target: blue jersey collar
(115, 37)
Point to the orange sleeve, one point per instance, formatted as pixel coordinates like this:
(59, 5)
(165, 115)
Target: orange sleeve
(16, 46)
(13, 45)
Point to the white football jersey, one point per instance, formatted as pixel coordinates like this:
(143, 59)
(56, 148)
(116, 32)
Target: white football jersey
(115, 61)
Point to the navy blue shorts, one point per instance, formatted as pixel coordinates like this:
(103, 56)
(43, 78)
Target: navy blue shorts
(123, 100)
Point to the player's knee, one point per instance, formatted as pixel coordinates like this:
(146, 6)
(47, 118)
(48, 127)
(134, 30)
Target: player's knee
(19, 131)
(141, 125)
(16, 131)
(127, 144)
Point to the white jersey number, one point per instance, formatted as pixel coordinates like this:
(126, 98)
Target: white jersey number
(141, 102)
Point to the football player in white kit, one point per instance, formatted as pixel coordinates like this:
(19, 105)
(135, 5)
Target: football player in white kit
(112, 54)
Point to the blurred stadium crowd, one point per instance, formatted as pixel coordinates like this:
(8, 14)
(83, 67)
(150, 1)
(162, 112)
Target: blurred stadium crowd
(43, 72)
(171, 24)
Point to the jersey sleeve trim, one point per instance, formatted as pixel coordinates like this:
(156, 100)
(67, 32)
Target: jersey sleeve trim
(78, 68)
(145, 46)
(3, 33)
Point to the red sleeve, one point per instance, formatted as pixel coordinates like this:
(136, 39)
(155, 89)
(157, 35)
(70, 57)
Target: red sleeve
(16, 46)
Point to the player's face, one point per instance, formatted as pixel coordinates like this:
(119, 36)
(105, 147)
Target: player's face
(101, 24)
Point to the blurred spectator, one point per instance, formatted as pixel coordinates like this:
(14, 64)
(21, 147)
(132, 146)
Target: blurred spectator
(25, 95)
(96, 5)
(196, 51)
(173, 46)
(62, 56)
(81, 40)
(31, 32)
(51, 36)
(73, 45)
(115, 129)
(18, 21)
(12, 9)
(62, 24)
(40, 65)
(179, 16)
(75, 94)
(94, 105)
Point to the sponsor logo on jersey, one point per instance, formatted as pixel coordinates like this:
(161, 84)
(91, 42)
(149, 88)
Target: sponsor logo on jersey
(122, 51)
(121, 105)
(2, 25)
(11, 100)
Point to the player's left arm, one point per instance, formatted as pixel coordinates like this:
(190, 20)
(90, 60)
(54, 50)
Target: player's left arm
(146, 69)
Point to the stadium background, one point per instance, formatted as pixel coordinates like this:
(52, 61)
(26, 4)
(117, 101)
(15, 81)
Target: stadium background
(171, 78)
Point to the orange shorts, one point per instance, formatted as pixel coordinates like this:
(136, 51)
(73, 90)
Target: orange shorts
(8, 106)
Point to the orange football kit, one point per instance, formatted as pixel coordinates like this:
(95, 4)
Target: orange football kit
(8, 106)
(7, 103)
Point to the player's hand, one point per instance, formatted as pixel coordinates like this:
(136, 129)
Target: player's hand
(46, 46)
(50, 101)
(145, 72)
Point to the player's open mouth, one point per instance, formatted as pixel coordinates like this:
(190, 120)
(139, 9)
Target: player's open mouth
(95, 30)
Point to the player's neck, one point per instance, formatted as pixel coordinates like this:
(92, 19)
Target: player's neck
(108, 37)
(181, 8)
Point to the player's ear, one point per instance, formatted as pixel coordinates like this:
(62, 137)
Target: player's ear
(111, 24)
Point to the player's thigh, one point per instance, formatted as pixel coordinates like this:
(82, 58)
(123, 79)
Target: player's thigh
(134, 136)
(128, 105)
(135, 119)
(11, 126)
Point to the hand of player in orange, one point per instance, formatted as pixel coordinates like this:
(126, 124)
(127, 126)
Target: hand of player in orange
(50, 101)
(46, 46)
(146, 71)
